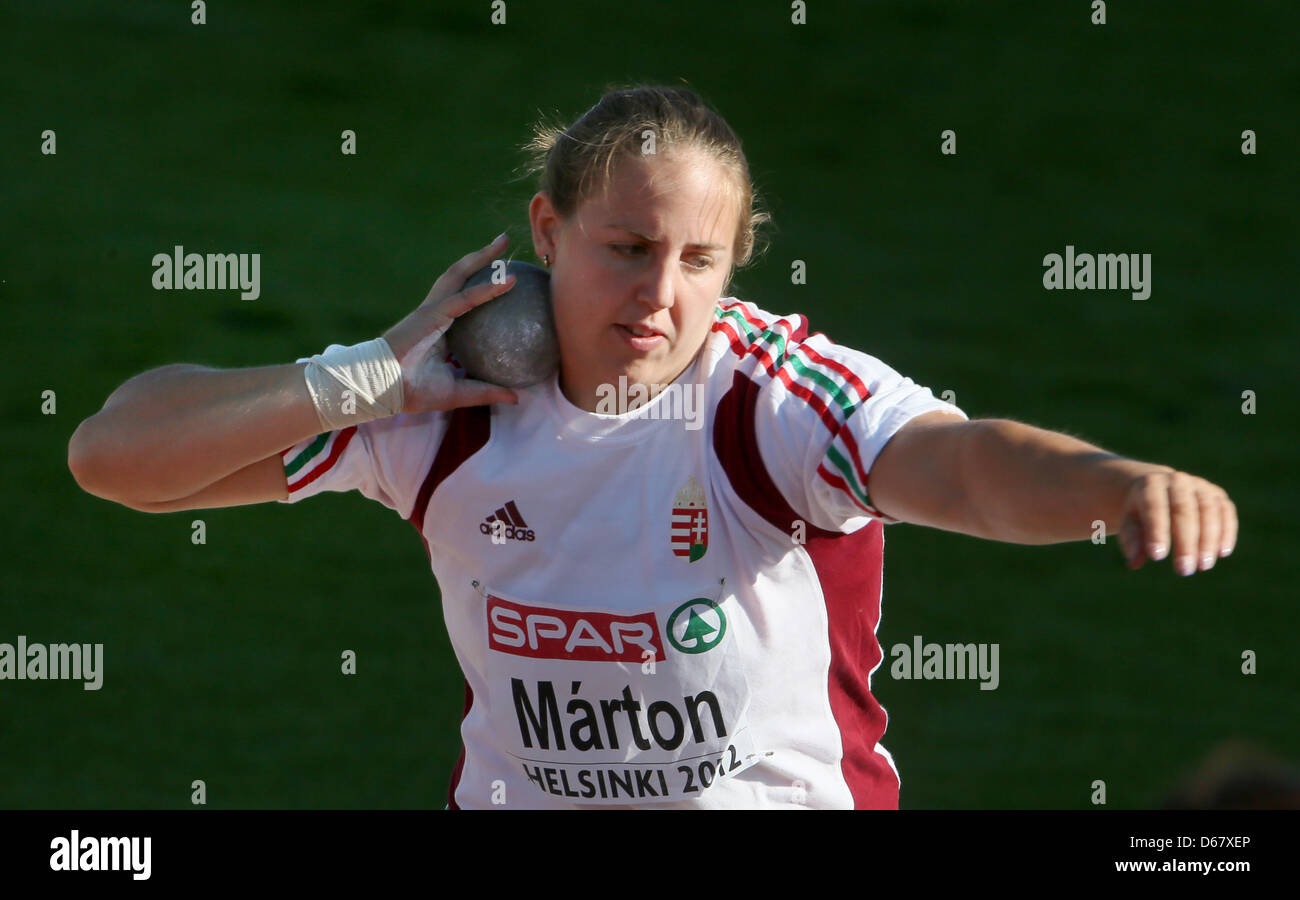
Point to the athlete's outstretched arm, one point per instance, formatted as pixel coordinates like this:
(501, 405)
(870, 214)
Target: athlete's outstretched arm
(1007, 481)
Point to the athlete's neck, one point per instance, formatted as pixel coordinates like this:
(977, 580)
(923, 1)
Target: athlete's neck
(617, 394)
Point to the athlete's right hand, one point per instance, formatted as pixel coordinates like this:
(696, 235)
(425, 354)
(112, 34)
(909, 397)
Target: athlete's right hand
(428, 381)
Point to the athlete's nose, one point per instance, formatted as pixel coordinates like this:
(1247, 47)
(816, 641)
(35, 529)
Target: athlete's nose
(656, 287)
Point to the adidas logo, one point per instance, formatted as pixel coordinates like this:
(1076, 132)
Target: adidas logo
(507, 524)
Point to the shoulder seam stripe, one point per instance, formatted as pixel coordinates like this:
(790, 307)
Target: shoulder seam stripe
(854, 483)
(834, 384)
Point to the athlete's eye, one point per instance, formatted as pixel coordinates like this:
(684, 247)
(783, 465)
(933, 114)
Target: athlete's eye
(700, 263)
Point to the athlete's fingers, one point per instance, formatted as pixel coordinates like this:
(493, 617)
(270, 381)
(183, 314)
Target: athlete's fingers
(1211, 513)
(463, 301)
(1184, 514)
(471, 392)
(1229, 539)
(452, 280)
(1130, 538)
(1151, 505)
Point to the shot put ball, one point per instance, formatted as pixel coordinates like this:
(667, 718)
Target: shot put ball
(509, 340)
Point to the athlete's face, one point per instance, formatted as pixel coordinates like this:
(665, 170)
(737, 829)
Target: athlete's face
(637, 270)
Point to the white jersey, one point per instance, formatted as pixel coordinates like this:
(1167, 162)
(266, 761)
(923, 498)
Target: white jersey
(650, 613)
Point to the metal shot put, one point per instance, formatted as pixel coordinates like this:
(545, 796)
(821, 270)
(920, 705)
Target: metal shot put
(510, 340)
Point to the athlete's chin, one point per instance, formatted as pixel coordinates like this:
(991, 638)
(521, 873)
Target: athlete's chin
(647, 371)
(646, 368)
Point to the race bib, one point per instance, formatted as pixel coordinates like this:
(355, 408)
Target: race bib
(609, 707)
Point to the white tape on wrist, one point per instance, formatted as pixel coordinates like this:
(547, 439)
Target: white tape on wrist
(350, 385)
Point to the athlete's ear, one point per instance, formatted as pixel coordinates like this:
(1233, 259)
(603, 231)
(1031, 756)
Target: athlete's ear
(546, 225)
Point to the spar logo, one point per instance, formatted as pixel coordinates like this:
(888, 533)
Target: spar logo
(696, 626)
(547, 633)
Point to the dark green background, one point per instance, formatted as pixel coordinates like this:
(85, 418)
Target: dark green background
(222, 660)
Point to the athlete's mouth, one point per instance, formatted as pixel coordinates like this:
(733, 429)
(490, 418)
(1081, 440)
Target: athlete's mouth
(636, 329)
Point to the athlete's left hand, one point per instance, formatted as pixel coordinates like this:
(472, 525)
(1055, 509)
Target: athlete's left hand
(1196, 514)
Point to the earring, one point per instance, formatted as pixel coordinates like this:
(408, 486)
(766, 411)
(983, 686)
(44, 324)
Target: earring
(546, 260)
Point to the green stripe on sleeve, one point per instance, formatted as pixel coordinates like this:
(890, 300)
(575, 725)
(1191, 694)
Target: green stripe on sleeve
(815, 375)
(311, 450)
(847, 471)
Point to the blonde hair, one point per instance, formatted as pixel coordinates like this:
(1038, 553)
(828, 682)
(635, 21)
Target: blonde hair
(574, 162)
